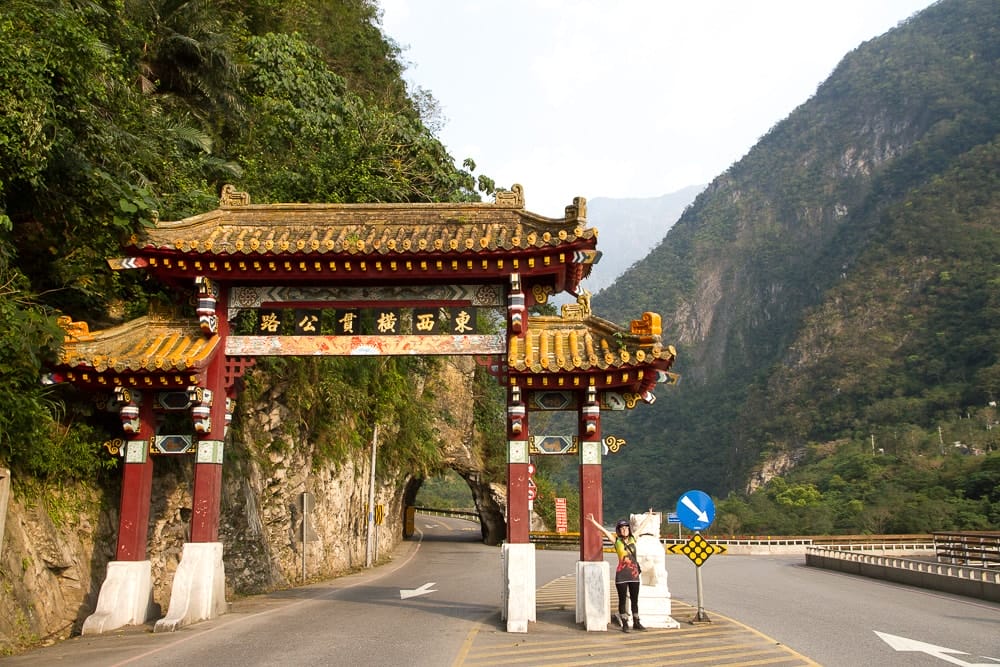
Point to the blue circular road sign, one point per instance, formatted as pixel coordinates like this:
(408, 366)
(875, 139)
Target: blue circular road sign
(696, 510)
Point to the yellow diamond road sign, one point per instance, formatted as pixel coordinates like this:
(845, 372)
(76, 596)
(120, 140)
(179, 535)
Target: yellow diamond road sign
(698, 549)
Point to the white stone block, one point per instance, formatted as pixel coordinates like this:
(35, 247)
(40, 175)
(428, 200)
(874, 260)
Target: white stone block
(518, 590)
(593, 608)
(199, 588)
(126, 597)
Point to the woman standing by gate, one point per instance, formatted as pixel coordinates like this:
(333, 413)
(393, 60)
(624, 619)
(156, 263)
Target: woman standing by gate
(626, 574)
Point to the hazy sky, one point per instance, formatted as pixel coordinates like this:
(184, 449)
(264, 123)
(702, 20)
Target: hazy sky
(621, 98)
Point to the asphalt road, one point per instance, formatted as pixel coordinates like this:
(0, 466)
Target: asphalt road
(416, 610)
(441, 592)
(833, 617)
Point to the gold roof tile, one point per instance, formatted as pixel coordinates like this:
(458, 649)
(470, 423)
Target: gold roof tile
(586, 343)
(367, 229)
(149, 344)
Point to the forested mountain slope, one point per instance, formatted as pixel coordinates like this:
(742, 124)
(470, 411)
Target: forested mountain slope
(833, 294)
(114, 113)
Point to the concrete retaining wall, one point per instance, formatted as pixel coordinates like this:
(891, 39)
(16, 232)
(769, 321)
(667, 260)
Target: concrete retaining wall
(974, 582)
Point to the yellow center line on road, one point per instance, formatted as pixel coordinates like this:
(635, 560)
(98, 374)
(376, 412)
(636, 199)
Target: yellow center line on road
(751, 663)
(809, 662)
(712, 660)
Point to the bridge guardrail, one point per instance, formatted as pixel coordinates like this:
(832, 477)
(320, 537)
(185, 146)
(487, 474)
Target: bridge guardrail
(977, 548)
(977, 582)
(551, 540)
(854, 554)
(736, 544)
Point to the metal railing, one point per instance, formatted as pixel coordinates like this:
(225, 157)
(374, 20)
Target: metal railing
(471, 515)
(973, 548)
(550, 540)
(553, 540)
(737, 544)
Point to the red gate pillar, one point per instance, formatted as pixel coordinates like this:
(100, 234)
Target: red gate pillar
(518, 554)
(199, 587)
(137, 476)
(591, 490)
(126, 596)
(206, 499)
(518, 515)
(517, 606)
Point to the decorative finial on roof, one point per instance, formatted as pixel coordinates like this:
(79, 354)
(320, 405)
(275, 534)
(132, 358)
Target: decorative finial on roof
(231, 197)
(514, 198)
(579, 310)
(74, 330)
(577, 210)
(648, 328)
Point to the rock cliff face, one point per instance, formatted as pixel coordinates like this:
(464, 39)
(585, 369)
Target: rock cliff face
(48, 562)
(58, 542)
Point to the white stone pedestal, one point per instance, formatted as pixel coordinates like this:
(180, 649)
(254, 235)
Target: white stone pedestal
(654, 603)
(126, 597)
(517, 604)
(654, 595)
(199, 589)
(593, 608)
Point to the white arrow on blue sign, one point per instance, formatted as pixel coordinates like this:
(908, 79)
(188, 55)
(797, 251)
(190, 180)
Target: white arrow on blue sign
(696, 510)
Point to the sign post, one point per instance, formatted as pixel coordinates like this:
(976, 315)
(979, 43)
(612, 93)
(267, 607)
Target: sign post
(306, 502)
(673, 518)
(696, 511)
(561, 525)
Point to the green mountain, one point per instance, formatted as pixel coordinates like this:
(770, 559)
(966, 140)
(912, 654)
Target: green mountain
(833, 299)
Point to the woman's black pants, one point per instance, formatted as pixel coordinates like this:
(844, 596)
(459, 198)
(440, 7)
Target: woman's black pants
(628, 590)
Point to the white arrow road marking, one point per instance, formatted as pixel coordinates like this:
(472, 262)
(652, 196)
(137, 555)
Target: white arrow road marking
(414, 592)
(904, 644)
(688, 503)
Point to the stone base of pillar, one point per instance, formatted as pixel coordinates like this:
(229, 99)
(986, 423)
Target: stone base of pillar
(593, 608)
(199, 588)
(126, 597)
(517, 605)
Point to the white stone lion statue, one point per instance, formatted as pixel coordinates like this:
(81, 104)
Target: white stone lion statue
(648, 548)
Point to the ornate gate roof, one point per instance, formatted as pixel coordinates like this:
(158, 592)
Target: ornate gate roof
(372, 242)
(578, 349)
(375, 244)
(155, 351)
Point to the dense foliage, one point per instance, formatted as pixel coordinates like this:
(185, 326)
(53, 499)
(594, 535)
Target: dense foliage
(833, 294)
(118, 112)
(337, 401)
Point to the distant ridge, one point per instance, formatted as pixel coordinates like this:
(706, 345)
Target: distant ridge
(631, 228)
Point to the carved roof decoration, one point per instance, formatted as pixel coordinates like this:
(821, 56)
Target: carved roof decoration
(580, 341)
(149, 344)
(373, 230)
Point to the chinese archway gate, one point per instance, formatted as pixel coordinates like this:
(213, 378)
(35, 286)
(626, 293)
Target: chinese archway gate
(356, 279)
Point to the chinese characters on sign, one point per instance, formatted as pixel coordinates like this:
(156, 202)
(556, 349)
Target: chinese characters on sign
(444, 321)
